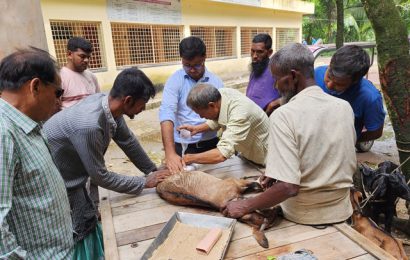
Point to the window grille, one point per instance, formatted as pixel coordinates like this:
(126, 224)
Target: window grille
(137, 44)
(62, 31)
(285, 36)
(247, 34)
(220, 41)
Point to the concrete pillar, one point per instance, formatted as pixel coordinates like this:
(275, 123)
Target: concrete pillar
(21, 25)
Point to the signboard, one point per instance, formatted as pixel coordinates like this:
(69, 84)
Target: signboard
(145, 11)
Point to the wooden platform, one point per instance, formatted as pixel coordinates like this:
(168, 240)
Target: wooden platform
(130, 224)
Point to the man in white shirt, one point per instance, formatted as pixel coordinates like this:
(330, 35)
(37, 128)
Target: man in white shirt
(311, 148)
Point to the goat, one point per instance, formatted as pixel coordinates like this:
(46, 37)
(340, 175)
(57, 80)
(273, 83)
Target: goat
(370, 230)
(386, 184)
(200, 189)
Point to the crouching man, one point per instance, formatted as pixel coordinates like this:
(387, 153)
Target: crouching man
(79, 137)
(311, 152)
(244, 123)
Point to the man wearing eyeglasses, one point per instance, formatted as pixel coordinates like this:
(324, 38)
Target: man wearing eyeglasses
(35, 218)
(343, 78)
(174, 110)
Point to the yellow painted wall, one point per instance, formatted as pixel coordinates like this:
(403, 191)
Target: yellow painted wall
(194, 12)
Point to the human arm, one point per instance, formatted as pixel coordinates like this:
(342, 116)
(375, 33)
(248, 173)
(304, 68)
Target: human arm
(127, 141)
(373, 116)
(89, 145)
(9, 247)
(173, 161)
(276, 194)
(370, 135)
(195, 129)
(168, 118)
(208, 157)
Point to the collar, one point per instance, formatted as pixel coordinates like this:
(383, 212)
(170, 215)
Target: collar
(310, 89)
(223, 112)
(107, 112)
(21, 120)
(205, 77)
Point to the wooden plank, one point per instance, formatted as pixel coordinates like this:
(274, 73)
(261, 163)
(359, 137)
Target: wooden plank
(150, 217)
(329, 246)
(280, 237)
(243, 230)
(127, 208)
(364, 257)
(110, 242)
(134, 251)
(125, 199)
(140, 234)
(362, 241)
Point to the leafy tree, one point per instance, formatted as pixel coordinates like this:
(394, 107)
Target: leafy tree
(394, 71)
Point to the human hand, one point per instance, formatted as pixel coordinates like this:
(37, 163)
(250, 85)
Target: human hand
(174, 163)
(188, 159)
(266, 182)
(156, 177)
(191, 128)
(235, 209)
(272, 106)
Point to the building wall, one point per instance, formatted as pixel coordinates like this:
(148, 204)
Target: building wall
(22, 16)
(194, 12)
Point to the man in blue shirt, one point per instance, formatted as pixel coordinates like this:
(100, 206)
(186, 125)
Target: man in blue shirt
(343, 78)
(174, 111)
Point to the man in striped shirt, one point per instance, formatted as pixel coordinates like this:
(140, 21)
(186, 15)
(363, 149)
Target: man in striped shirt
(35, 218)
(244, 123)
(79, 137)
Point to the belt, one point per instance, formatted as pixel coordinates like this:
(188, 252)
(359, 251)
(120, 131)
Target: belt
(201, 143)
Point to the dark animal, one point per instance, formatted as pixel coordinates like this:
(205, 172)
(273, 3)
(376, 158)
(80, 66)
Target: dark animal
(369, 229)
(386, 186)
(200, 189)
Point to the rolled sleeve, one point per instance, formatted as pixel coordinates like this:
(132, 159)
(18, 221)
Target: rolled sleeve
(89, 146)
(213, 125)
(374, 114)
(9, 248)
(282, 161)
(237, 130)
(169, 103)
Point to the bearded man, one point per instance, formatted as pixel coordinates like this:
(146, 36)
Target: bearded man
(260, 87)
(311, 154)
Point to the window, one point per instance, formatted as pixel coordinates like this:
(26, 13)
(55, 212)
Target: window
(247, 34)
(136, 44)
(285, 36)
(219, 41)
(62, 31)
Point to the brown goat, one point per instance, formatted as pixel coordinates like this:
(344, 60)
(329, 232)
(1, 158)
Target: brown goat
(370, 230)
(200, 189)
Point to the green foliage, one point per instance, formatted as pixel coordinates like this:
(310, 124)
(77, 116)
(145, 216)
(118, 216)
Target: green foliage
(357, 27)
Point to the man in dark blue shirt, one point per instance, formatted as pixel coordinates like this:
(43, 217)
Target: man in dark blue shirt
(343, 78)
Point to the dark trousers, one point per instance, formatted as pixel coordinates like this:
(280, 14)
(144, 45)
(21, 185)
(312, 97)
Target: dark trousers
(199, 147)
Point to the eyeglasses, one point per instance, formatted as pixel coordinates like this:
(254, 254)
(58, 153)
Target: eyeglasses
(59, 92)
(195, 67)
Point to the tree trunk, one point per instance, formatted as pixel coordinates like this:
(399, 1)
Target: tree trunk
(394, 70)
(340, 24)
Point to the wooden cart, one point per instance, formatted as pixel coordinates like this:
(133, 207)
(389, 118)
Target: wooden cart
(130, 224)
